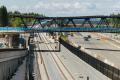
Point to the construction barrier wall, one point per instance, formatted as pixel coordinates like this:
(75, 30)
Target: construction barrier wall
(104, 68)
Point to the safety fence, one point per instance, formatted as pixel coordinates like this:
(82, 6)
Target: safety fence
(104, 68)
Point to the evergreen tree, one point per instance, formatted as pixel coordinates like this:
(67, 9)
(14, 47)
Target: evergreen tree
(3, 16)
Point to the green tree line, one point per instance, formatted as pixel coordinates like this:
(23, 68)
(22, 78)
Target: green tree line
(115, 21)
(6, 20)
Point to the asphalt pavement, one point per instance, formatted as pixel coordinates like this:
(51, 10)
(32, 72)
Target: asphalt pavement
(50, 65)
(103, 49)
(62, 65)
(78, 68)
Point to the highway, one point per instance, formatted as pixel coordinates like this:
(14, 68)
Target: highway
(98, 46)
(50, 67)
(113, 35)
(62, 65)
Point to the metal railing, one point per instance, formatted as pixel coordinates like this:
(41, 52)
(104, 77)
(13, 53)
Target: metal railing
(60, 29)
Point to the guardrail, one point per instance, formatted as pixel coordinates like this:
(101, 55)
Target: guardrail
(104, 68)
(10, 60)
(60, 29)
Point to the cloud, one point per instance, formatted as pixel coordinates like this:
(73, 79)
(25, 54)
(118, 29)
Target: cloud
(65, 7)
(14, 7)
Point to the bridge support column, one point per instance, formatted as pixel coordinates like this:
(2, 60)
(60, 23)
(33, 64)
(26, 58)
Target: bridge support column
(10, 42)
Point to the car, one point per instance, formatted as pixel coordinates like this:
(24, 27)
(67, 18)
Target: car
(86, 38)
(98, 39)
(89, 36)
(71, 34)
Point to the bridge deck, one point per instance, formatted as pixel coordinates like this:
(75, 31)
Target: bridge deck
(59, 29)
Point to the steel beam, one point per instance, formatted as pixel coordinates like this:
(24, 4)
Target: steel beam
(89, 22)
(73, 17)
(103, 22)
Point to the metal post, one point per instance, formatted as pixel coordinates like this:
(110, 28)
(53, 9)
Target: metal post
(87, 77)
(59, 45)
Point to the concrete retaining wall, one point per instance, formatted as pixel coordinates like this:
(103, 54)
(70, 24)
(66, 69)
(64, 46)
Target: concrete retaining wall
(9, 62)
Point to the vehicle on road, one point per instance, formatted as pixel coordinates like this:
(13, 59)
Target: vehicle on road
(97, 38)
(89, 36)
(86, 38)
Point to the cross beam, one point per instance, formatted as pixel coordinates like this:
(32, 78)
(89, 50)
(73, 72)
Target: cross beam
(71, 17)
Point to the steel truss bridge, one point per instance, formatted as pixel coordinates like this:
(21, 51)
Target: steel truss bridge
(66, 24)
(62, 24)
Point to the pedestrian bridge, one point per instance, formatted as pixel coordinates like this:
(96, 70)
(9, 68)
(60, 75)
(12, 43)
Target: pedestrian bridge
(64, 24)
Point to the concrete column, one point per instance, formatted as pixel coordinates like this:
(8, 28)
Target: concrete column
(27, 38)
(10, 42)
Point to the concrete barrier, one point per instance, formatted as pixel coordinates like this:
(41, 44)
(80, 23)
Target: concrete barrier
(10, 60)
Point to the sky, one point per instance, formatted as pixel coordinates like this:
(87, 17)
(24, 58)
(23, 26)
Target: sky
(64, 7)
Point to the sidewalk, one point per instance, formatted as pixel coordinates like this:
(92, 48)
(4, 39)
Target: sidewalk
(20, 74)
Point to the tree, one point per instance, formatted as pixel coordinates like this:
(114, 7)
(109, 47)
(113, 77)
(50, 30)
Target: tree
(16, 22)
(3, 16)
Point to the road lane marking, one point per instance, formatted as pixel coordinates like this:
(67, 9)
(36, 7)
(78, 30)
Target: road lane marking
(61, 66)
(42, 67)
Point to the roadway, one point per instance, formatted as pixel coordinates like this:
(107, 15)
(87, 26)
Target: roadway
(99, 47)
(62, 65)
(47, 64)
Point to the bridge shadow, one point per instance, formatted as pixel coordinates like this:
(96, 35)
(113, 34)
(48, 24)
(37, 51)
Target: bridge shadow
(103, 49)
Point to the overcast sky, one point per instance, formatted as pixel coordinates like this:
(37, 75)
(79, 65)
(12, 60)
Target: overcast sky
(64, 7)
